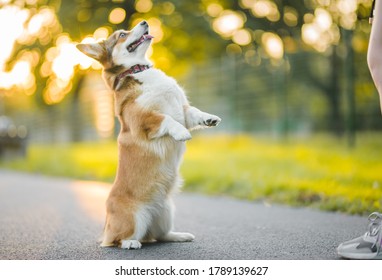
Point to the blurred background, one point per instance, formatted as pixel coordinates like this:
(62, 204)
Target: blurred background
(301, 116)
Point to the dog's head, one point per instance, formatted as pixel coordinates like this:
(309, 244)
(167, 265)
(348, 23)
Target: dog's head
(122, 48)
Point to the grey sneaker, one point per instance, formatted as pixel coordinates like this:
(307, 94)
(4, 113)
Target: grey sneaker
(368, 246)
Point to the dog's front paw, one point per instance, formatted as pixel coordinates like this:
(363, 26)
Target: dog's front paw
(130, 244)
(181, 134)
(211, 120)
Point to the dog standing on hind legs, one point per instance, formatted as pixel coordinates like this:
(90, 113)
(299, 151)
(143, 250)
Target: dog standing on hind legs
(155, 119)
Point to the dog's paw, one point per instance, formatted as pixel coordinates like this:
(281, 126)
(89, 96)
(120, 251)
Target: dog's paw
(181, 134)
(211, 120)
(184, 237)
(178, 237)
(130, 244)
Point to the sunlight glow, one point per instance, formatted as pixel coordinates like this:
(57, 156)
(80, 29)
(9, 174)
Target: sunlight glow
(62, 66)
(167, 8)
(273, 45)
(310, 34)
(228, 22)
(214, 9)
(101, 33)
(266, 8)
(143, 6)
(156, 29)
(104, 113)
(348, 14)
(347, 6)
(290, 16)
(261, 8)
(62, 61)
(91, 198)
(83, 60)
(319, 30)
(117, 15)
(20, 72)
(323, 19)
(247, 3)
(35, 24)
(20, 75)
(12, 21)
(242, 37)
(16, 28)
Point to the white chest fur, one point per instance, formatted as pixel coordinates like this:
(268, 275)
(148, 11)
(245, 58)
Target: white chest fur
(161, 93)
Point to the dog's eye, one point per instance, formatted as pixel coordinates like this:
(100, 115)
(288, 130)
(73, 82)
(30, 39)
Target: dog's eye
(122, 35)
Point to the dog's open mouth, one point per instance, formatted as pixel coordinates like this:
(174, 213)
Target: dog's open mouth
(133, 46)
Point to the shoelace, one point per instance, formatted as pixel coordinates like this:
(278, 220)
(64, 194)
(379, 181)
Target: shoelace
(374, 228)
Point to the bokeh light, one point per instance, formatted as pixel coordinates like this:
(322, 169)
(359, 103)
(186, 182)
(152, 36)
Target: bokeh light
(156, 29)
(273, 45)
(265, 8)
(290, 16)
(228, 22)
(12, 20)
(319, 30)
(310, 34)
(101, 33)
(56, 59)
(143, 6)
(323, 19)
(117, 15)
(167, 8)
(214, 9)
(242, 37)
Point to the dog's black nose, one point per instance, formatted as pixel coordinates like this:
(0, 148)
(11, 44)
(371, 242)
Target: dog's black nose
(143, 22)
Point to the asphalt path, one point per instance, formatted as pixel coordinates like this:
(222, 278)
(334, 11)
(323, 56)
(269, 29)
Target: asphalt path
(53, 218)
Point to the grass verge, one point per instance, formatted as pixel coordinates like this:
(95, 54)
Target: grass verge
(320, 172)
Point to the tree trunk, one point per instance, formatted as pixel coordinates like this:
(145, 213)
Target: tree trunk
(333, 95)
(75, 116)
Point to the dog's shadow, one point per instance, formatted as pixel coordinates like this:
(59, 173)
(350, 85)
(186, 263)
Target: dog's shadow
(149, 251)
(148, 246)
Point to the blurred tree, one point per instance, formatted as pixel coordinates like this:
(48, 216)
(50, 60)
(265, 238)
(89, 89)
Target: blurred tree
(300, 27)
(40, 58)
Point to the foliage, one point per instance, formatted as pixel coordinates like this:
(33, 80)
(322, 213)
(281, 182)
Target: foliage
(40, 65)
(319, 172)
(186, 32)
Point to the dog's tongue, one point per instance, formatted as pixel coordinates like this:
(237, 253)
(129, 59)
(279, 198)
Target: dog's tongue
(147, 37)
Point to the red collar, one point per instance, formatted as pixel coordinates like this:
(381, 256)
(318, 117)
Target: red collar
(132, 70)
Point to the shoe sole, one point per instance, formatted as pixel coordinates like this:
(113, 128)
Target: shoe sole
(355, 256)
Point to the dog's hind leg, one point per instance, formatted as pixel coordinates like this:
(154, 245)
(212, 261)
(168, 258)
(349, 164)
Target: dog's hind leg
(120, 235)
(162, 226)
(177, 237)
(142, 220)
(108, 240)
(122, 227)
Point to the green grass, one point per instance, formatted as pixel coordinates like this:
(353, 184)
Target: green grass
(320, 172)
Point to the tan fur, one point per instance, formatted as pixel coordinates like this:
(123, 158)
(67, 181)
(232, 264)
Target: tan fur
(133, 185)
(137, 167)
(154, 126)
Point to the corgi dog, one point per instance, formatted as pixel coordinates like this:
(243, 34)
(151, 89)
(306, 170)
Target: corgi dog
(156, 119)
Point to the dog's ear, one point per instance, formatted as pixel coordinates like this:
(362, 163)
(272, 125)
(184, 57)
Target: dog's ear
(94, 50)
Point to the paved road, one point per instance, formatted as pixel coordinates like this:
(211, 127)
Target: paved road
(49, 218)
